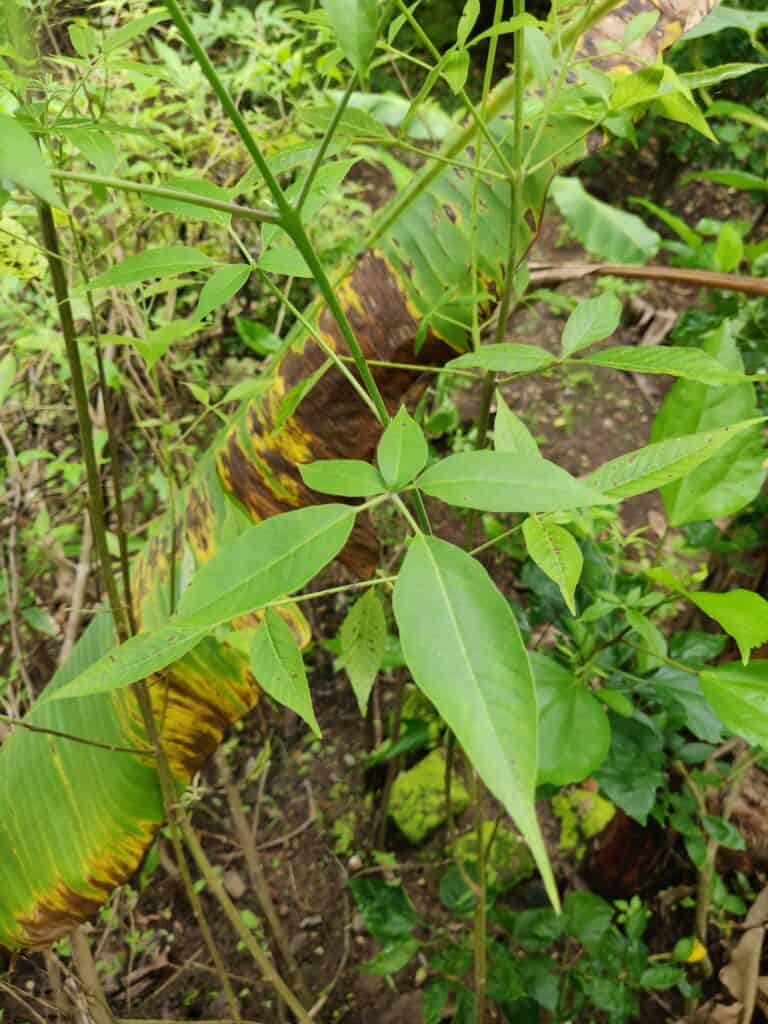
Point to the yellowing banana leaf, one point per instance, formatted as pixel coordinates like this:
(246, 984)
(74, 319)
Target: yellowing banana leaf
(76, 819)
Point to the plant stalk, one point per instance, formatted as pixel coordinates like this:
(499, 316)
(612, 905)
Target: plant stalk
(161, 192)
(82, 408)
(98, 522)
(258, 879)
(289, 218)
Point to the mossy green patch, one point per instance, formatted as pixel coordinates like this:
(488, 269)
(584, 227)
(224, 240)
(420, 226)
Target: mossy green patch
(417, 803)
(508, 862)
(582, 814)
(343, 831)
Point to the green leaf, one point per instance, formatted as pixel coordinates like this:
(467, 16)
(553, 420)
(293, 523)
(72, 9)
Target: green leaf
(389, 914)
(636, 88)
(278, 666)
(462, 644)
(136, 659)
(84, 39)
(591, 321)
(724, 832)
(732, 179)
(152, 263)
(587, 917)
(280, 255)
(502, 482)
(739, 697)
(96, 146)
(510, 434)
(638, 27)
(291, 401)
(632, 772)
(729, 250)
(681, 229)
(347, 478)
(538, 55)
(22, 163)
(688, 363)
(733, 473)
(225, 282)
(402, 451)
(663, 462)
(661, 976)
(467, 21)
(355, 123)
(354, 23)
(606, 232)
(155, 344)
(723, 17)
(704, 78)
(7, 375)
(455, 69)
(506, 27)
(742, 614)
(557, 554)
(651, 639)
(132, 29)
(265, 562)
(434, 998)
(392, 957)
(257, 337)
(574, 735)
(191, 211)
(363, 639)
(506, 357)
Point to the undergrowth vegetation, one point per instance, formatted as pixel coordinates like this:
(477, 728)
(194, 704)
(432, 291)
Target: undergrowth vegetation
(383, 563)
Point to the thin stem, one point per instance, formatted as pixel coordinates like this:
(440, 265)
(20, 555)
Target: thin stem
(111, 747)
(419, 368)
(289, 218)
(258, 879)
(321, 342)
(263, 962)
(178, 827)
(499, 100)
(707, 872)
(161, 192)
(82, 408)
(403, 508)
(114, 455)
(325, 143)
(477, 118)
(481, 923)
(89, 976)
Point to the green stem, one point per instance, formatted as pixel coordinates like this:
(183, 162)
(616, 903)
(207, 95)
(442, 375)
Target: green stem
(111, 747)
(499, 100)
(288, 217)
(161, 192)
(98, 522)
(325, 143)
(707, 871)
(481, 922)
(82, 408)
(265, 965)
(179, 826)
(478, 120)
(332, 354)
(406, 514)
(114, 455)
